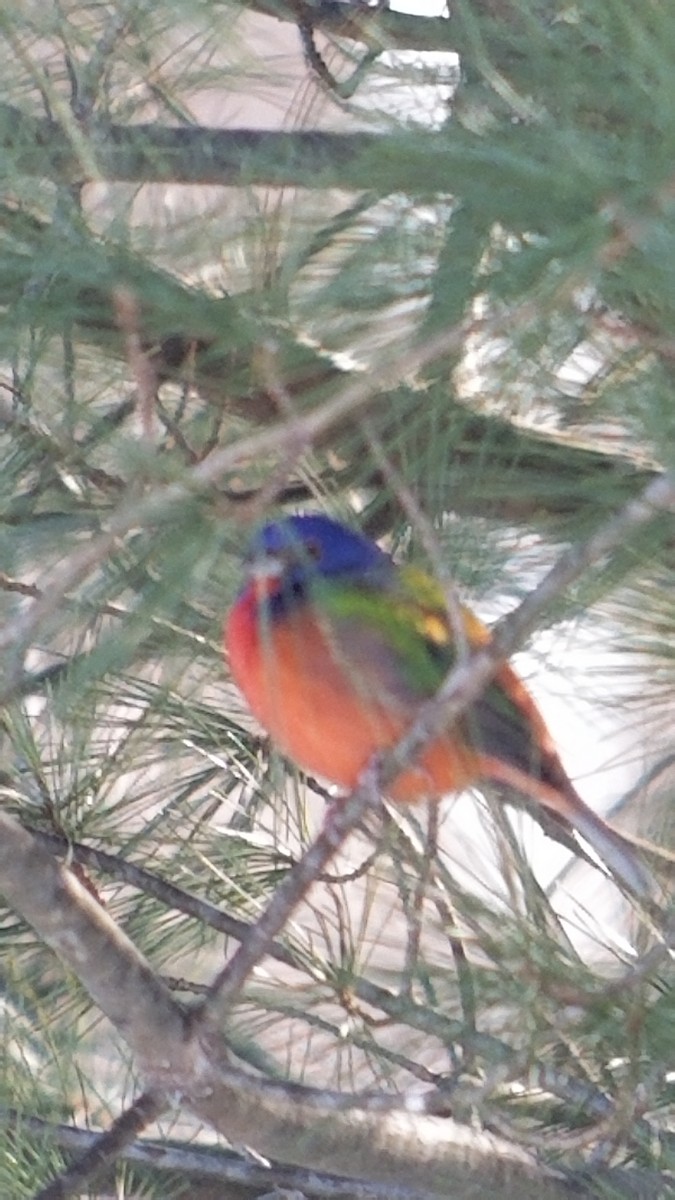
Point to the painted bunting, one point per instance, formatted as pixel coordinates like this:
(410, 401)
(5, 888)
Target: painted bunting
(335, 648)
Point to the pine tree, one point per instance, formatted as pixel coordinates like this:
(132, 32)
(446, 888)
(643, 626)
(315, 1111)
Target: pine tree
(417, 272)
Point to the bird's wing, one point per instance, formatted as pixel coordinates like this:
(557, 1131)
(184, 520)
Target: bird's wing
(405, 634)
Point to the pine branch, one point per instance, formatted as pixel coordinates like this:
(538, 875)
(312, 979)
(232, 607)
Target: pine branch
(207, 1172)
(188, 1059)
(377, 27)
(104, 1148)
(40, 147)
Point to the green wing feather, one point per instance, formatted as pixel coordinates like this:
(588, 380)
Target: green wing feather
(405, 625)
(404, 632)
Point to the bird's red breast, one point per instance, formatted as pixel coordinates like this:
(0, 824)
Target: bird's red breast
(324, 710)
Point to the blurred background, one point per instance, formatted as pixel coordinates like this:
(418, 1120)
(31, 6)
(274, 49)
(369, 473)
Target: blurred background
(475, 208)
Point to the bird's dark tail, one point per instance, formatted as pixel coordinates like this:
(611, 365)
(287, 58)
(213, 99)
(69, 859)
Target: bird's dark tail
(561, 810)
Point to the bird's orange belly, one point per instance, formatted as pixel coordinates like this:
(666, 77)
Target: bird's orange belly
(323, 714)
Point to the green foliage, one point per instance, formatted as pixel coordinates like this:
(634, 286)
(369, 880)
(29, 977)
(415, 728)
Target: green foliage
(534, 226)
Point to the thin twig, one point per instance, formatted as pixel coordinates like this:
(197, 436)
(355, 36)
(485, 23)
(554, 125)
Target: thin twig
(318, 1129)
(467, 681)
(127, 310)
(339, 822)
(423, 526)
(287, 439)
(403, 1011)
(106, 1147)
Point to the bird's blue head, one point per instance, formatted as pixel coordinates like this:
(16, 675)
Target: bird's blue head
(295, 552)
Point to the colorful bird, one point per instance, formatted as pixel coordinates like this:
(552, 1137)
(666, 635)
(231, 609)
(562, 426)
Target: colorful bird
(335, 648)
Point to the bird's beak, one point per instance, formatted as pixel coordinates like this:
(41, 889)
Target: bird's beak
(264, 574)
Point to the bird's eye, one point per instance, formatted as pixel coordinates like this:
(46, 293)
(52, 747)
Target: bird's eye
(312, 548)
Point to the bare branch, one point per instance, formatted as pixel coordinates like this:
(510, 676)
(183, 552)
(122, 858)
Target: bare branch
(105, 1148)
(397, 1008)
(197, 155)
(283, 1121)
(379, 28)
(88, 941)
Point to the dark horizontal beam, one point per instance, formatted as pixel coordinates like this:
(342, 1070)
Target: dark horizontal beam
(155, 153)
